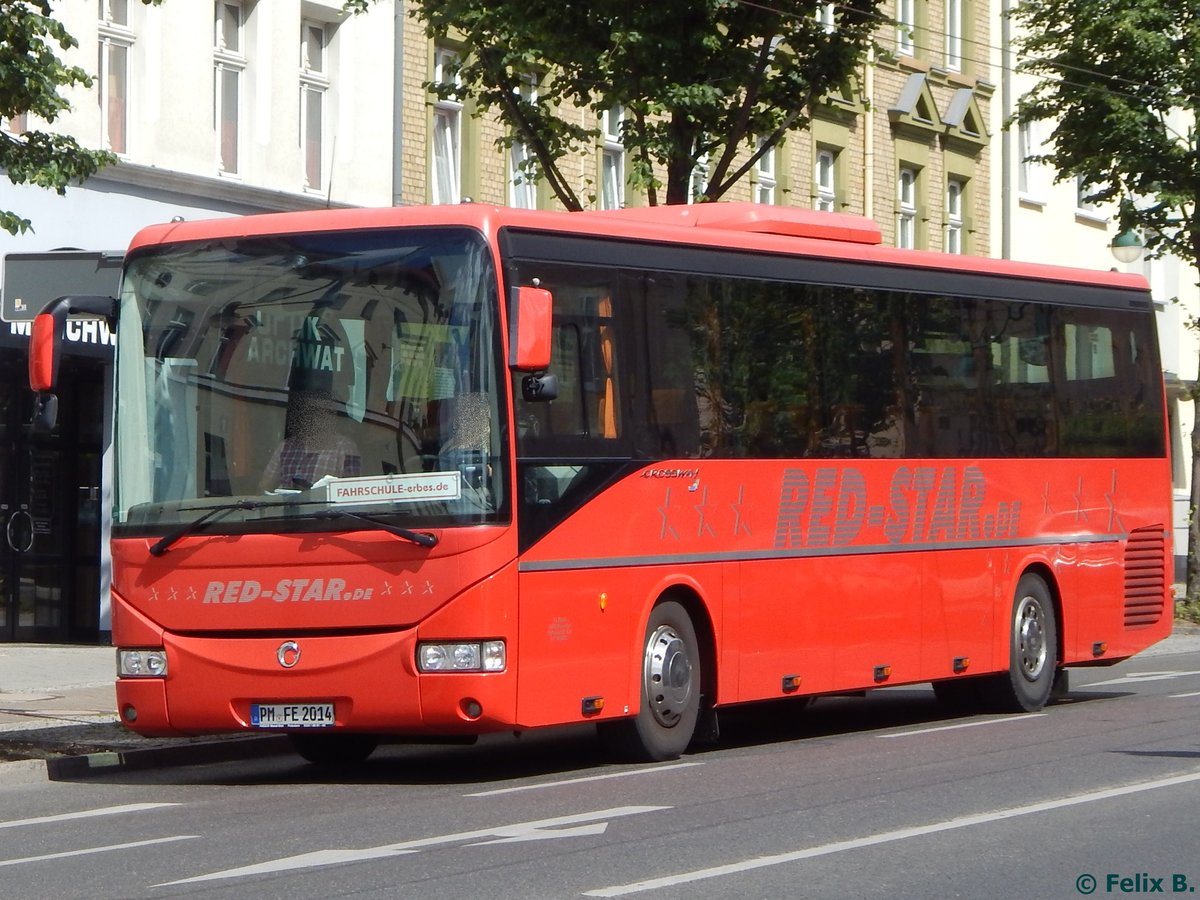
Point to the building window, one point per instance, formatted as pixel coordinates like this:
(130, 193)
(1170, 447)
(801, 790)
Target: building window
(766, 183)
(112, 67)
(954, 22)
(1030, 145)
(826, 179)
(698, 185)
(906, 209)
(906, 26)
(314, 92)
(826, 15)
(446, 170)
(229, 59)
(522, 180)
(612, 172)
(1083, 189)
(954, 216)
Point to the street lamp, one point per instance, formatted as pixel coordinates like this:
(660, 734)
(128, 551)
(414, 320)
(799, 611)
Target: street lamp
(1127, 246)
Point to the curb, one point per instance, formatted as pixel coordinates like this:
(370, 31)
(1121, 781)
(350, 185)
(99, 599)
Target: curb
(112, 762)
(67, 768)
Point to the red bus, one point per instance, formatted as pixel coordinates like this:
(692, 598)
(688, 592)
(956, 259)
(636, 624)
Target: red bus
(436, 472)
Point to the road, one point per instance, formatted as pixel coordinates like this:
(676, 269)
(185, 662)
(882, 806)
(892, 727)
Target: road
(882, 796)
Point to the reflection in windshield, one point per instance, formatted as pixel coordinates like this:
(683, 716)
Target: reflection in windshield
(358, 370)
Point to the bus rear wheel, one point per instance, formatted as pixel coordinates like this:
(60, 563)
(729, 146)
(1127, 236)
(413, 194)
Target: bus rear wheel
(1033, 651)
(670, 691)
(331, 750)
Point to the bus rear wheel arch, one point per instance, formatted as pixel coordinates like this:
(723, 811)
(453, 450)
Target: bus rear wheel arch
(1033, 650)
(671, 682)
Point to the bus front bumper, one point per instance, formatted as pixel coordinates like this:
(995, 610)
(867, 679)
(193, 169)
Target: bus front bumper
(363, 683)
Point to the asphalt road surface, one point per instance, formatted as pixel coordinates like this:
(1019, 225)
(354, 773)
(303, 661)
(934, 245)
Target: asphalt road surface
(882, 796)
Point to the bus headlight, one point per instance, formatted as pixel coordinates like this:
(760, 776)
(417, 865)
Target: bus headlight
(143, 663)
(461, 656)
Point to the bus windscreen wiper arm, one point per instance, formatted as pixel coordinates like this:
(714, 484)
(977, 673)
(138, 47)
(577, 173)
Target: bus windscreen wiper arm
(163, 544)
(420, 538)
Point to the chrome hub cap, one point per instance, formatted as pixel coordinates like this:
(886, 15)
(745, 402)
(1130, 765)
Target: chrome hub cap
(668, 675)
(1030, 634)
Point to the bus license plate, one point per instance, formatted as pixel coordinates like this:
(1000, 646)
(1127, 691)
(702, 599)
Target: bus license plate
(291, 715)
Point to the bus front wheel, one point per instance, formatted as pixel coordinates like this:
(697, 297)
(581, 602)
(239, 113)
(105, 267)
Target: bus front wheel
(1033, 651)
(670, 691)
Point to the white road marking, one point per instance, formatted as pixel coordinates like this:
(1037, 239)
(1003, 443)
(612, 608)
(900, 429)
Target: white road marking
(1024, 717)
(1136, 677)
(549, 784)
(88, 851)
(888, 837)
(85, 814)
(541, 829)
(1182, 696)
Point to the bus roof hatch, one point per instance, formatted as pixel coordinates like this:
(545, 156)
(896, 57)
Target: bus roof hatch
(787, 221)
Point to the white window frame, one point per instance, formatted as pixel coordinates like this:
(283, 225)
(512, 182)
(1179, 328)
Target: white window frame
(612, 159)
(827, 16)
(229, 63)
(954, 34)
(825, 177)
(115, 46)
(906, 27)
(314, 99)
(955, 192)
(698, 180)
(766, 182)
(1083, 206)
(522, 187)
(445, 161)
(1028, 144)
(906, 208)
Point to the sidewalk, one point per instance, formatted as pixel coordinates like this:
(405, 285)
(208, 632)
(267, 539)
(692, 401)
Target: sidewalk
(58, 718)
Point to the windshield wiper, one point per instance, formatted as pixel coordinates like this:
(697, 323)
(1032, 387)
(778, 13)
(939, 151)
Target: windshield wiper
(163, 544)
(421, 538)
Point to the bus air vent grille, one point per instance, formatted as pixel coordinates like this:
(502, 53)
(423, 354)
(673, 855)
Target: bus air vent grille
(1145, 576)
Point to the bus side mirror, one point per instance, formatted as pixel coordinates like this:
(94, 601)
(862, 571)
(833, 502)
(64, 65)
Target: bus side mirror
(45, 413)
(46, 336)
(45, 345)
(539, 388)
(43, 352)
(43, 371)
(530, 334)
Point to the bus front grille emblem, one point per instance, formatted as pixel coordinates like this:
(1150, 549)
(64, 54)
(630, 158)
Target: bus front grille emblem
(288, 654)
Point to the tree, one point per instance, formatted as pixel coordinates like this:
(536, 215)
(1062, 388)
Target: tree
(31, 76)
(696, 79)
(1118, 79)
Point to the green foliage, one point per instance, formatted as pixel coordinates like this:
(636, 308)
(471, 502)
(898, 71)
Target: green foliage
(1188, 611)
(698, 79)
(1119, 81)
(31, 76)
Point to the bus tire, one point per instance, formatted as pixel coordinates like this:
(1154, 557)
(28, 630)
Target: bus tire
(1033, 651)
(334, 750)
(669, 678)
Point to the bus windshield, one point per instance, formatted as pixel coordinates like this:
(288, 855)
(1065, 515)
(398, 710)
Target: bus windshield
(275, 380)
